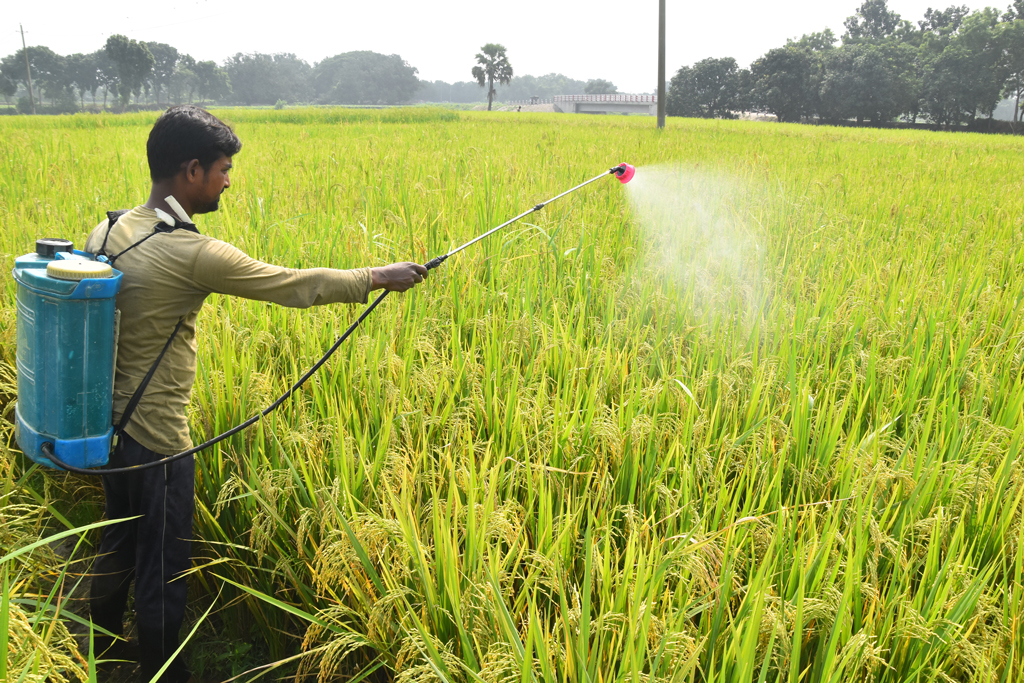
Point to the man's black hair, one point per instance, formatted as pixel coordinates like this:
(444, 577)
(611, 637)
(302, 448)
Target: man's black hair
(184, 133)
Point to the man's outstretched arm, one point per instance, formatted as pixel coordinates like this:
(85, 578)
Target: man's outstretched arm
(224, 269)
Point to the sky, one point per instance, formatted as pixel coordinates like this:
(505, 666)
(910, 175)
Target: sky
(612, 39)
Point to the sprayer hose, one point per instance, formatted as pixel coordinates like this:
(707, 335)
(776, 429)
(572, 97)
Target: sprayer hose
(47, 447)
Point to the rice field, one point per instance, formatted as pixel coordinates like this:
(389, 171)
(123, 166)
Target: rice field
(754, 417)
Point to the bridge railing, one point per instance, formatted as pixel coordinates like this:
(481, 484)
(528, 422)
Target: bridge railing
(627, 99)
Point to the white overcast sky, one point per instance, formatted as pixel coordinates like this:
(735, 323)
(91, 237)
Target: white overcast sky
(612, 39)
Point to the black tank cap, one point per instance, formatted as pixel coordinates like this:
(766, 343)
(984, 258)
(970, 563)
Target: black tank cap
(49, 246)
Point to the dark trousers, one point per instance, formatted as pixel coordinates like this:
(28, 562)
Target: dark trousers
(153, 549)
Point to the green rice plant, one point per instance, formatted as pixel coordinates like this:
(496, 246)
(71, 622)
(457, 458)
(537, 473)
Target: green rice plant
(754, 416)
(37, 593)
(303, 115)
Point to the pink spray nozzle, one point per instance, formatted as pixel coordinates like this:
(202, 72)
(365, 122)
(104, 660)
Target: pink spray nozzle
(624, 172)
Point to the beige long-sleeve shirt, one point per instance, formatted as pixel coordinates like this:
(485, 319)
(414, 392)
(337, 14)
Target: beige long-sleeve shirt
(168, 277)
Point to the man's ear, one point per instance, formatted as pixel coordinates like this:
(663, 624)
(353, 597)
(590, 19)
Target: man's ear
(192, 170)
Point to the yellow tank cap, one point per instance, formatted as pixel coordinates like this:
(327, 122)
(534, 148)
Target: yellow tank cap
(78, 270)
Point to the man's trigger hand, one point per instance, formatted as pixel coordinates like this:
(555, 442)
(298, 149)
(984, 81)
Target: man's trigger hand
(397, 277)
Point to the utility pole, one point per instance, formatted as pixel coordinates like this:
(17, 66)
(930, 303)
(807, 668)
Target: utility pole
(28, 69)
(661, 64)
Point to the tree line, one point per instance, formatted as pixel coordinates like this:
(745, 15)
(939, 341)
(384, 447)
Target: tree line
(127, 72)
(950, 68)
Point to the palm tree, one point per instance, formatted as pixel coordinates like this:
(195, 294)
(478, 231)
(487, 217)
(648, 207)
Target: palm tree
(493, 67)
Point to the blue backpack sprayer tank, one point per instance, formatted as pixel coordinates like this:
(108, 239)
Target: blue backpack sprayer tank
(67, 341)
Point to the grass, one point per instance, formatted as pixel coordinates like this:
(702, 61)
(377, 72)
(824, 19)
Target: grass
(756, 417)
(37, 589)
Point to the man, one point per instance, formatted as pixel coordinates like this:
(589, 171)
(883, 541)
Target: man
(169, 269)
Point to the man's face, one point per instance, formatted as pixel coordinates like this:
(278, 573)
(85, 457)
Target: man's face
(210, 184)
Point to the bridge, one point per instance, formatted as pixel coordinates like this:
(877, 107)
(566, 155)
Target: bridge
(606, 104)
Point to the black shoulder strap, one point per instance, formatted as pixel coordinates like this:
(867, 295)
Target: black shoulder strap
(118, 255)
(112, 217)
(133, 402)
